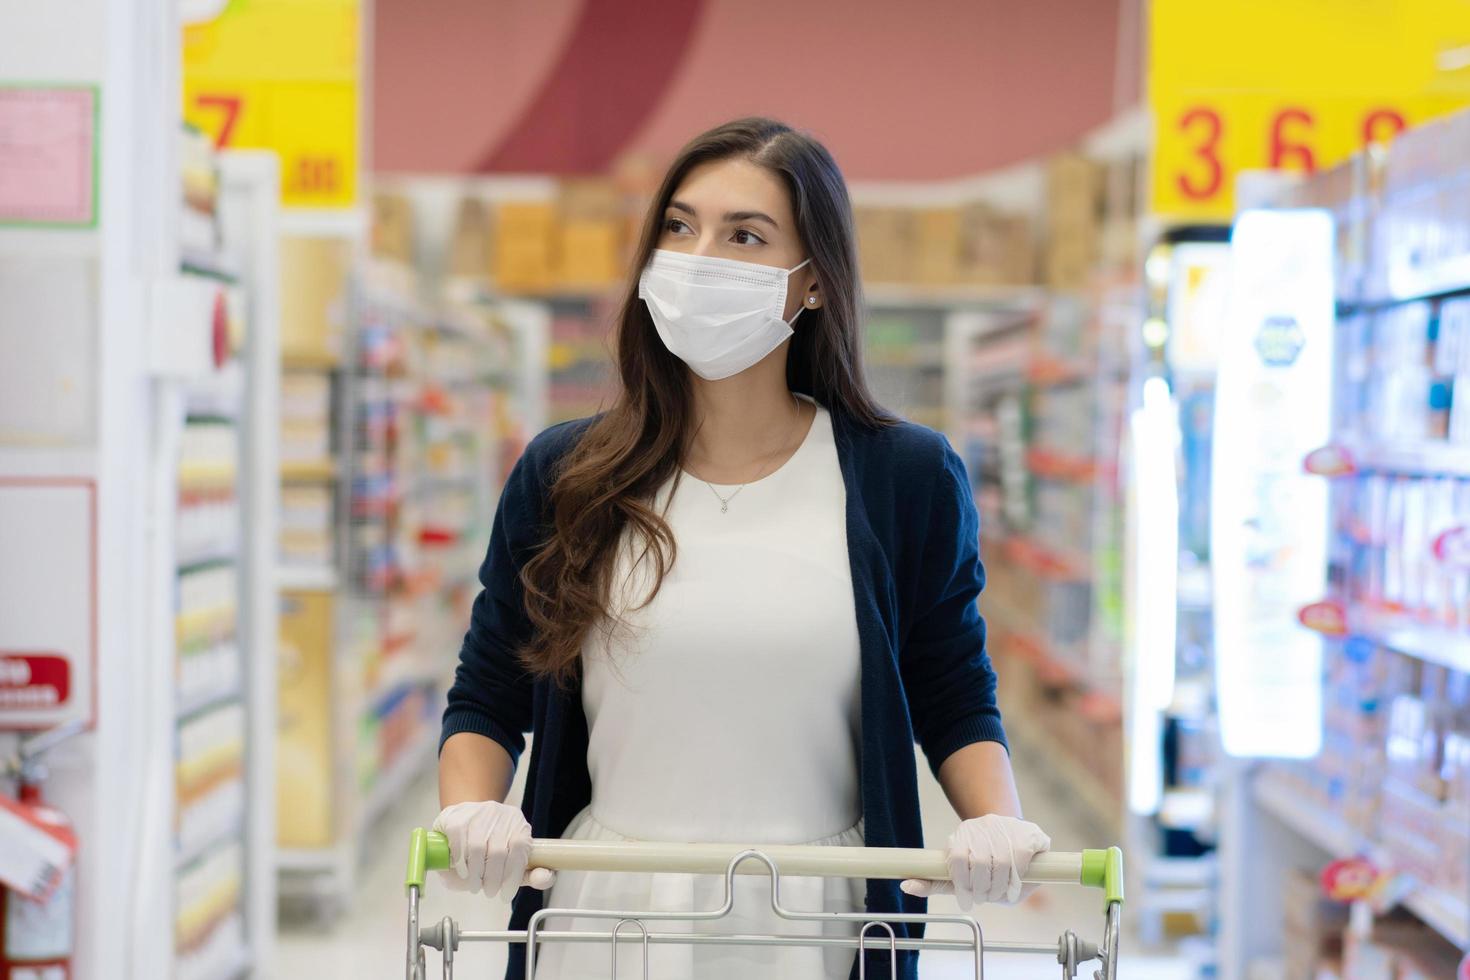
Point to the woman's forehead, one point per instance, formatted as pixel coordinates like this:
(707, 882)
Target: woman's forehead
(721, 186)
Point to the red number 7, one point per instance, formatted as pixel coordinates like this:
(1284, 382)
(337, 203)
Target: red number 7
(229, 105)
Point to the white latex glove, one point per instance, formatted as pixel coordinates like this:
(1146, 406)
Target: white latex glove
(988, 856)
(489, 845)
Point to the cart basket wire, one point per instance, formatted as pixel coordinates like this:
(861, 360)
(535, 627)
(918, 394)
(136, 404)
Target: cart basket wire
(1101, 869)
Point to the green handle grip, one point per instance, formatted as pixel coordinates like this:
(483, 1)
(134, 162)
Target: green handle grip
(1104, 869)
(428, 850)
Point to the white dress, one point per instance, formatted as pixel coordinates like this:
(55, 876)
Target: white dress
(726, 710)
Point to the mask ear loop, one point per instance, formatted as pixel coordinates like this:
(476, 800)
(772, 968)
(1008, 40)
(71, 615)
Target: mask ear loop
(800, 309)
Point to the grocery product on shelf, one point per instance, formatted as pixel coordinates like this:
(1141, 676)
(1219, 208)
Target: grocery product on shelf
(579, 359)
(904, 356)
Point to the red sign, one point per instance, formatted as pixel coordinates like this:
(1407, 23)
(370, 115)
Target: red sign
(1330, 461)
(1328, 617)
(48, 635)
(1453, 547)
(33, 680)
(1350, 879)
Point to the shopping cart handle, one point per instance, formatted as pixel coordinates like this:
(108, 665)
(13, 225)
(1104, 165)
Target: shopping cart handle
(429, 851)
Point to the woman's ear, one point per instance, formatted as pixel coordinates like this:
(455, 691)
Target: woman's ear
(812, 299)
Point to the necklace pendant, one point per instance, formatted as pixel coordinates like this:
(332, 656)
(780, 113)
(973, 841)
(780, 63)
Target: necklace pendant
(724, 506)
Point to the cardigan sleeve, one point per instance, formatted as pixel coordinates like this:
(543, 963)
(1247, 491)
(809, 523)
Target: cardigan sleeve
(947, 675)
(491, 694)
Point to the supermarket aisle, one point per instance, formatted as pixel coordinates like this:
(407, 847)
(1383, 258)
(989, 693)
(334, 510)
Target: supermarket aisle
(368, 940)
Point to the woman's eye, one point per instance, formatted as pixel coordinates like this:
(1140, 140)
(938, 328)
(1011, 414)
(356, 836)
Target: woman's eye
(675, 225)
(743, 237)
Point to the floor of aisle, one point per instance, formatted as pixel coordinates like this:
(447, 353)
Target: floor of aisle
(367, 941)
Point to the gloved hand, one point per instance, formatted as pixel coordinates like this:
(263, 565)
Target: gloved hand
(987, 858)
(489, 845)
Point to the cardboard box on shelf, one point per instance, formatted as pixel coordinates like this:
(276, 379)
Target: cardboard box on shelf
(1311, 924)
(469, 248)
(1073, 190)
(314, 278)
(304, 772)
(590, 199)
(393, 228)
(1068, 268)
(937, 245)
(1399, 948)
(887, 238)
(590, 253)
(995, 248)
(525, 243)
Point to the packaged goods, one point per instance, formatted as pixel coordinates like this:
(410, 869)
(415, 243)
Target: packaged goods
(995, 248)
(314, 277)
(887, 239)
(304, 771)
(469, 248)
(938, 241)
(1312, 926)
(393, 229)
(590, 248)
(524, 246)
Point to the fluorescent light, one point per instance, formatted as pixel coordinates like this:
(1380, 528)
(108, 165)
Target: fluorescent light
(1152, 587)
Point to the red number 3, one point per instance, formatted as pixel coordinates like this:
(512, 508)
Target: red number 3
(1207, 151)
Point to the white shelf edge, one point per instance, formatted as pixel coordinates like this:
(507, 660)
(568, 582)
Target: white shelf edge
(1442, 912)
(234, 831)
(307, 859)
(289, 577)
(1434, 458)
(1018, 298)
(233, 693)
(1432, 644)
(208, 556)
(236, 966)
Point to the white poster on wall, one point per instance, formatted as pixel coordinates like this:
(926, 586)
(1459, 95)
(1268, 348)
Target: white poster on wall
(48, 611)
(1268, 535)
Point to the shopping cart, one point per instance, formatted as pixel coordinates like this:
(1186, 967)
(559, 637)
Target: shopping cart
(1101, 869)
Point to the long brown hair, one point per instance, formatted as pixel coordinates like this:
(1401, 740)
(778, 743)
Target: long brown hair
(605, 485)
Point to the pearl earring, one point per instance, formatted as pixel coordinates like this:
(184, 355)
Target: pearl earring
(812, 300)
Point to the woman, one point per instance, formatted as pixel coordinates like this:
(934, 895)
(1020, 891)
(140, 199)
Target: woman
(728, 606)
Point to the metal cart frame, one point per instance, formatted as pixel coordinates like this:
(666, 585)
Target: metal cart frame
(1102, 869)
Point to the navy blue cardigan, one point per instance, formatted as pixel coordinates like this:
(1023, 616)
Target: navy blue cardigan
(913, 537)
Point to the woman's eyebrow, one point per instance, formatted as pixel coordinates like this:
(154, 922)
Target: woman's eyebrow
(731, 217)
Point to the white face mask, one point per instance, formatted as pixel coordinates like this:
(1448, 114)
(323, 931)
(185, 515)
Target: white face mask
(719, 316)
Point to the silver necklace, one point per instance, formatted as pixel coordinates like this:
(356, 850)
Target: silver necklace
(725, 501)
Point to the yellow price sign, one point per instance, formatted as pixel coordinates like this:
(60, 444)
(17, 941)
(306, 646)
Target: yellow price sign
(282, 75)
(1290, 85)
(1203, 141)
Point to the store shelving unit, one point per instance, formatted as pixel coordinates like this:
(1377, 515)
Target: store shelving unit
(1326, 828)
(1022, 391)
(1391, 782)
(214, 475)
(579, 355)
(428, 409)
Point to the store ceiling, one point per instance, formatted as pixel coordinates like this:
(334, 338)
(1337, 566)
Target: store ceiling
(923, 90)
